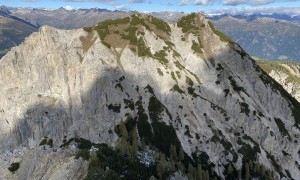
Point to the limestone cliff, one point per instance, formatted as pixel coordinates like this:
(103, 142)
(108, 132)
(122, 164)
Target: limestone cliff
(187, 78)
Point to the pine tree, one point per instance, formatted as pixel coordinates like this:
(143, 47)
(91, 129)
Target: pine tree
(251, 165)
(161, 165)
(239, 174)
(134, 142)
(123, 130)
(181, 155)
(247, 172)
(230, 169)
(262, 171)
(268, 175)
(206, 175)
(173, 153)
(192, 171)
(180, 166)
(199, 172)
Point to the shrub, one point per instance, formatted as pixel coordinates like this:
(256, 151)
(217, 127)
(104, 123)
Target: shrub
(43, 142)
(14, 166)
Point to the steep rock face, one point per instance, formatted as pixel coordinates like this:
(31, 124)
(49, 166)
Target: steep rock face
(285, 73)
(188, 75)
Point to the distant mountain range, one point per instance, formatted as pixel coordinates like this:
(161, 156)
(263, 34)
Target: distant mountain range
(268, 36)
(273, 37)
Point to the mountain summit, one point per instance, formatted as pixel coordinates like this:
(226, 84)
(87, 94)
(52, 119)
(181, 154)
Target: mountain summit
(179, 100)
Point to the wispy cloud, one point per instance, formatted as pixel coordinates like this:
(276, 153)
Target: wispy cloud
(204, 2)
(234, 2)
(184, 2)
(135, 1)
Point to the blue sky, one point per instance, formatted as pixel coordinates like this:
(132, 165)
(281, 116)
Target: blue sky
(163, 5)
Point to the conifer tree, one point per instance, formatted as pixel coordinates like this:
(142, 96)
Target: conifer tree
(181, 154)
(161, 165)
(173, 153)
(192, 171)
(134, 142)
(206, 175)
(230, 169)
(199, 172)
(239, 174)
(180, 166)
(247, 172)
(123, 130)
(262, 171)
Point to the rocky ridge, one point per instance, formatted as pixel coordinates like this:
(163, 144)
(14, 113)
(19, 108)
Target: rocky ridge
(186, 79)
(285, 73)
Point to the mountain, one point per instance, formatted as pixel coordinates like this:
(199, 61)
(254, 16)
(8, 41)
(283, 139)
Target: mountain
(138, 97)
(13, 30)
(264, 37)
(66, 19)
(286, 73)
(268, 36)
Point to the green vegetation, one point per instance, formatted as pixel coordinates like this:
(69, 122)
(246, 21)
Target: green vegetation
(187, 22)
(189, 81)
(161, 25)
(244, 108)
(131, 36)
(43, 142)
(114, 107)
(235, 87)
(249, 153)
(178, 74)
(196, 47)
(159, 72)
(282, 128)
(50, 143)
(129, 104)
(222, 36)
(143, 50)
(177, 89)
(280, 66)
(173, 76)
(14, 166)
(161, 57)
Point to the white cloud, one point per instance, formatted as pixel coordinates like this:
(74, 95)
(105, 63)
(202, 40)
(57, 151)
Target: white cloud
(234, 2)
(260, 2)
(204, 2)
(184, 2)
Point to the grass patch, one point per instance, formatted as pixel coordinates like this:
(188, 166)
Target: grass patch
(159, 72)
(161, 57)
(187, 22)
(177, 89)
(196, 47)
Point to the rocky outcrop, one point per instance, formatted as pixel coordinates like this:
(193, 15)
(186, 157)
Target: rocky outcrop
(285, 73)
(187, 77)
